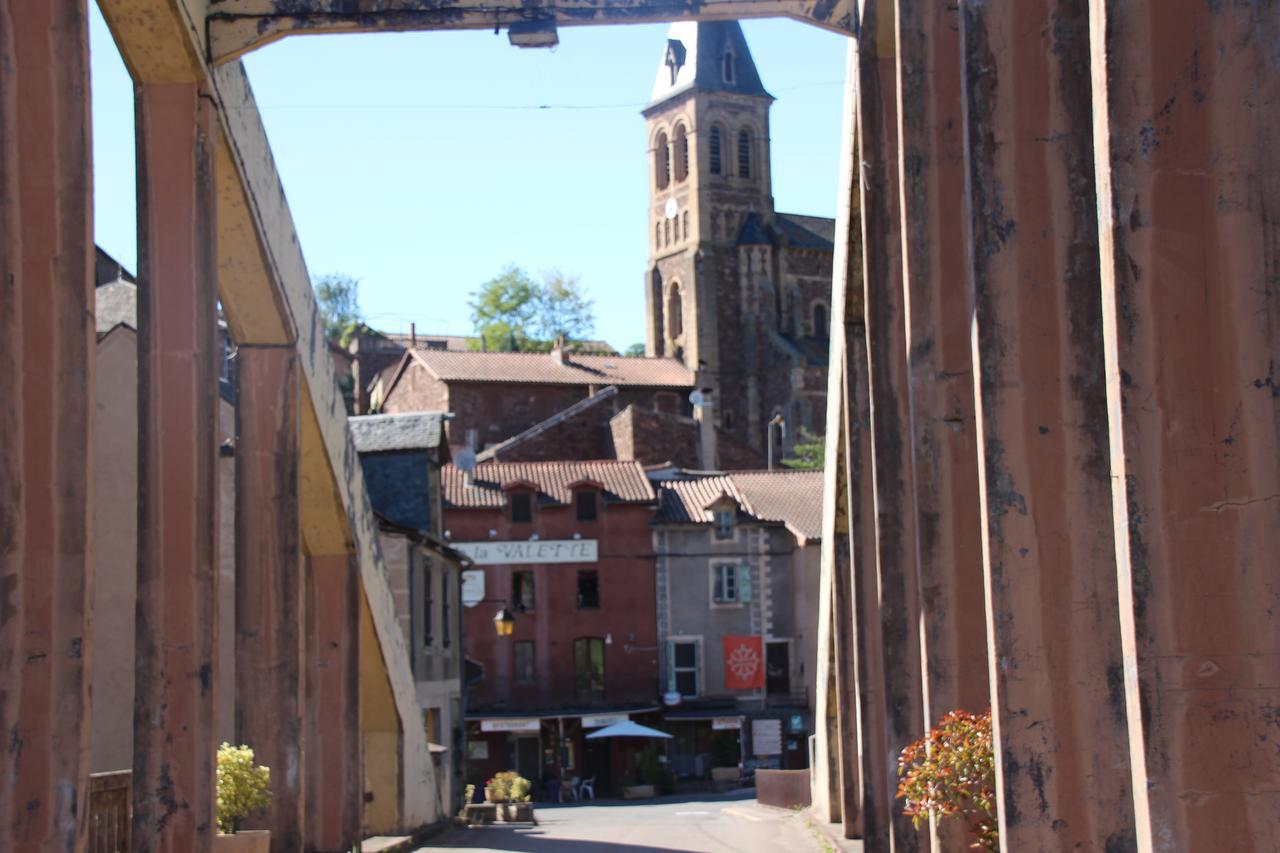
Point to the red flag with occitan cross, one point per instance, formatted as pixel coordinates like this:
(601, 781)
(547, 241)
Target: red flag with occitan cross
(743, 663)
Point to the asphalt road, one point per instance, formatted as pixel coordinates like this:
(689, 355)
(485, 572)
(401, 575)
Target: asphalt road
(729, 823)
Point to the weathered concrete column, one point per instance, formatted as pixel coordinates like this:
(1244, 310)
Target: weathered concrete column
(1189, 185)
(46, 357)
(1057, 683)
(334, 763)
(939, 313)
(269, 582)
(895, 522)
(174, 736)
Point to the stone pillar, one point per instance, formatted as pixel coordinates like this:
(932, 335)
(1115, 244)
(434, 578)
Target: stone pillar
(174, 713)
(269, 602)
(887, 384)
(334, 774)
(46, 357)
(1188, 181)
(1056, 670)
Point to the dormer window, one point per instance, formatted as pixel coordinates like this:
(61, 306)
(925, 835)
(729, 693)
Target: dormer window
(727, 66)
(521, 508)
(674, 59)
(585, 502)
(724, 519)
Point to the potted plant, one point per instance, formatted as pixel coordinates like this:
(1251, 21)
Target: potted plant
(512, 794)
(951, 772)
(242, 788)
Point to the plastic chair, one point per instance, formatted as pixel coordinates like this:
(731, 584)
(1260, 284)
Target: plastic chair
(587, 786)
(571, 787)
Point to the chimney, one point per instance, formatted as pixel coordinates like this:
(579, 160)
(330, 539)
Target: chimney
(557, 350)
(413, 334)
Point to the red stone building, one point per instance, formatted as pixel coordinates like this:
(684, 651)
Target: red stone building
(566, 548)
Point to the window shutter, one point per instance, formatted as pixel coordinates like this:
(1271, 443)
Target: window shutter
(744, 582)
(671, 667)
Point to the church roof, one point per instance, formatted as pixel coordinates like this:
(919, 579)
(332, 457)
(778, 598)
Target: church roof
(790, 231)
(695, 57)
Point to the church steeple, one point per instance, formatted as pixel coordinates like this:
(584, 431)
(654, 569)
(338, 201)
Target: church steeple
(711, 56)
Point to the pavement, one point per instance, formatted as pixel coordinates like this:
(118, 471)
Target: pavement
(697, 823)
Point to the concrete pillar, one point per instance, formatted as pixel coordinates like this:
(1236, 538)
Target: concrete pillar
(335, 782)
(174, 714)
(1186, 101)
(46, 352)
(895, 524)
(1056, 678)
(269, 583)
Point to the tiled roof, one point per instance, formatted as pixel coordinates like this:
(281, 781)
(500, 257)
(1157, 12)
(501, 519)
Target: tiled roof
(623, 482)
(793, 498)
(540, 368)
(411, 431)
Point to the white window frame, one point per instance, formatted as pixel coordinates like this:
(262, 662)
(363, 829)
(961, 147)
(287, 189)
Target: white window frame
(672, 682)
(731, 573)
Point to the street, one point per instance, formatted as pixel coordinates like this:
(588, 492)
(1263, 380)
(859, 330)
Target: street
(699, 823)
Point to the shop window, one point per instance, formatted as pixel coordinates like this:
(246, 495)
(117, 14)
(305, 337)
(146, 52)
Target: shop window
(525, 669)
(588, 590)
(522, 591)
(684, 668)
(725, 584)
(585, 502)
(588, 669)
(521, 508)
(724, 523)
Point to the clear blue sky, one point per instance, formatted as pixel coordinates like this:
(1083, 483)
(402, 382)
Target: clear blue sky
(423, 163)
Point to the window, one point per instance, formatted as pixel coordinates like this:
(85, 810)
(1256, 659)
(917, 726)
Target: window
(675, 313)
(662, 161)
(431, 723)
(686, 224)
(588, 668)
(585, 503)
(666, 231)
(445, 592)
(714, 147)
(428, 604)
(525, 668)
(682, 153)
(744, 153)
(820, 325)
(684, 668)
(727, 68)
(522, 591)
(521, 507)
(726, 421)
(725, 588)
(724, 523)
(588, 590)
(657, 235)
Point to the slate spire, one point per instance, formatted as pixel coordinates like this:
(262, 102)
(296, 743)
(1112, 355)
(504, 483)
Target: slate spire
(706, 55)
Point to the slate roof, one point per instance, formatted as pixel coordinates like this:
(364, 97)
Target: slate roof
(411, 431)
(793, 498)
(623, 482)
(115, 304)
(696, 48)
(540, 368)
(806, 232)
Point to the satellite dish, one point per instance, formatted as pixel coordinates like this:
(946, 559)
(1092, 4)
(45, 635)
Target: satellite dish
(465, 460)
(695, 397)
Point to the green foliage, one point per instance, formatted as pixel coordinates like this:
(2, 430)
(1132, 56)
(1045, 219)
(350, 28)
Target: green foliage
(242, 787)
(514, 313)
(338, 299)
(951, 771)
(508, 787)
(808, 453)
(635, 351)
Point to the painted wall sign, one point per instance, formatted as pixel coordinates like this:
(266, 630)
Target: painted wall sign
(524, 552)
(529, 724)
(472, 587)
(599, 721)
(726, 723)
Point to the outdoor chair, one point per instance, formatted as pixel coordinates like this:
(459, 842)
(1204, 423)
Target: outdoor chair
(586, 786)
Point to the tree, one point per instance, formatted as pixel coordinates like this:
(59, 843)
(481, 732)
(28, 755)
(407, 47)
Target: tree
(635, 351)
(337, 297)
(809, 451)
(514, 313)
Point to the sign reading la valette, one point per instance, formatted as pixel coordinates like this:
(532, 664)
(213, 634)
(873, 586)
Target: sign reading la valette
(525, 552)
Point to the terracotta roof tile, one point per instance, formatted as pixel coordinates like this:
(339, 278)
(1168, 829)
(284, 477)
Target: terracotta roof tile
(793, 498)
(624, 482)
(543, 369)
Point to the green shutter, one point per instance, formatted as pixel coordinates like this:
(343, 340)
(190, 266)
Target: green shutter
(671, 667)
(744, 582)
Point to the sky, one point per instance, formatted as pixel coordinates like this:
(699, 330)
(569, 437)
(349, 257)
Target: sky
(422, 164)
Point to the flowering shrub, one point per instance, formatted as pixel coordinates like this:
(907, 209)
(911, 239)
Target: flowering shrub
(952, 771)
(242, 787)
(508, 787)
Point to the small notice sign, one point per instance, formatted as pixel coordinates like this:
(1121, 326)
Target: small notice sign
(472, 587)
(525, 552)
(726, 723)
(513, 724)
(766, 737)
(599, 721)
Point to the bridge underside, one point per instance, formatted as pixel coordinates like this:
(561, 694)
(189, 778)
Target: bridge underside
(1052, 486)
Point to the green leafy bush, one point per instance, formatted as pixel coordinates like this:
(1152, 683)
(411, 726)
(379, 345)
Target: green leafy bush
(242, 786)
(508, 787)
(951, 771)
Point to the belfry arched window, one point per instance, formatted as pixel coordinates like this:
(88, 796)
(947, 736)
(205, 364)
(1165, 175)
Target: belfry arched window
(714, 147)
(744, 153)
(675, 312)
(662, 161)
(682, 153)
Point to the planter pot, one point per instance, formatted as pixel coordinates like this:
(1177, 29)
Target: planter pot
(638, 792)
(515, 812)
(725, 774)
(244, 841)
(479, 814)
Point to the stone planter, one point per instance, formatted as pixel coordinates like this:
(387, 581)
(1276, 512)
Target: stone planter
(638, 792)
(479, 814)
(244, 841)
(725, 774)
(515, 812)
